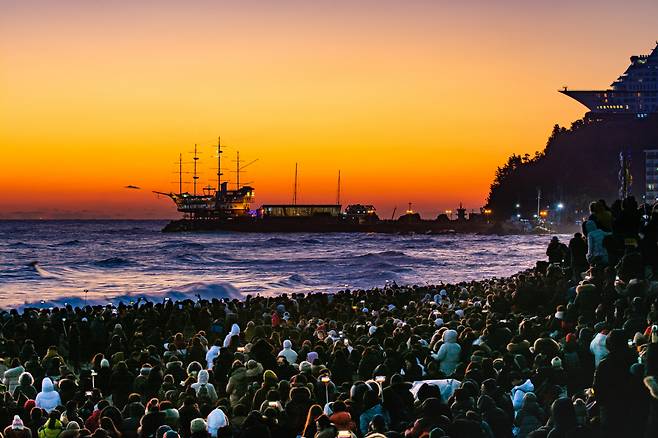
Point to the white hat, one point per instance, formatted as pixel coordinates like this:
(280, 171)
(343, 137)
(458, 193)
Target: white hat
(438, 322)
(372, 330)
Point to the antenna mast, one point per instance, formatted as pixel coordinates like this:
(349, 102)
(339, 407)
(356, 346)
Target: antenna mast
(195, 177)
(219, 164)
(294, 193)
(338, 191)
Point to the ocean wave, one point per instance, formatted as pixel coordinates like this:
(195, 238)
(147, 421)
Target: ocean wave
(113, 262)
(294, 280)
(73, 242)
(183, 245)
(381, 254)
(17, 245)
(278, 241)
(41, 272)
(189, 291)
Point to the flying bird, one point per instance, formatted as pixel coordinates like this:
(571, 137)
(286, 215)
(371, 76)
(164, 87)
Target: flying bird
(130, 186)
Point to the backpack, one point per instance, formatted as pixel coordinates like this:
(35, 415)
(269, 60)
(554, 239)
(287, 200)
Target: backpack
(204, 394)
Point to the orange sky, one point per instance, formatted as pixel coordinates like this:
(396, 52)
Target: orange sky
(415, 101)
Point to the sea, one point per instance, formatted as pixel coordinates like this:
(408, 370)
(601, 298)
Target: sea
(50, 263)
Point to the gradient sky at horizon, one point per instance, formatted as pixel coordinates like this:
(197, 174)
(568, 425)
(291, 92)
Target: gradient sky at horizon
(414, 101)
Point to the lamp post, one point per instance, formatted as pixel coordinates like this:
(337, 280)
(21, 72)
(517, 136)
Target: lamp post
(326, 380)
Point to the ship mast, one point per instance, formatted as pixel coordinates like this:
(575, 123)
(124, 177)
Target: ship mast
(219, 164)
(294, 193)
(195, 177)
(338, 191)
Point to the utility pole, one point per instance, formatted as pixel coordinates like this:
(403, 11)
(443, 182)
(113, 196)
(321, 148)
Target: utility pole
(237, 178)
(195, 177)
(338, 192)
(180, 174)
(294, 193)
(538, 203)
(219, 164)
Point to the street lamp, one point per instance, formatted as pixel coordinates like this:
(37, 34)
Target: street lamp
(560, 206)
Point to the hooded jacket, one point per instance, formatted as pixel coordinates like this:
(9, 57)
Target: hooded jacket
(518, 392)
(217, 419)
(212, 353)
(235, 331)
(202, 381)
(598, 348)
(530, 416)
(449, 353)
(48, 399)
(288, 352)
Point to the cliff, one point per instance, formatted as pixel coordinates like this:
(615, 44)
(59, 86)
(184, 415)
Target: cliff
(578, 164)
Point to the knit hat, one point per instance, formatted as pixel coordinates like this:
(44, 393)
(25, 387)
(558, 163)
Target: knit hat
(198, 425)
(17, 423)
(372, 330)
(105, 363)
(171, 434)
(270, 377)
(73, 425)
(305, 366)
(29, 404)
(556, 363)
(438, 322)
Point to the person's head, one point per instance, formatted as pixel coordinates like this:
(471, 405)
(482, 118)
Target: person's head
(323, 422)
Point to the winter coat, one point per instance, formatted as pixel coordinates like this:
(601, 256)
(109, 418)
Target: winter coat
(48, 399)
(25, 432)
(297, 408)
(612, 382)
(11, 378)
(367, 416)
(237, 385)
(596, 252)
(449, 353)
(529, 418)
(518, 392)
(217, 420)
(598, 348)
(235, 331)
(25, 387)
(121, 384)
(203, 385)
(212, 353)
(47, 432)
(150, 422)
(288, 352)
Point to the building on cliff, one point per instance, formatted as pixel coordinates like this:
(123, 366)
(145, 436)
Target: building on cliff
(634, 93)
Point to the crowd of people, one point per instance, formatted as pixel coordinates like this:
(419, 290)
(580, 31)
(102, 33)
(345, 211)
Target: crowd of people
(566, 349)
